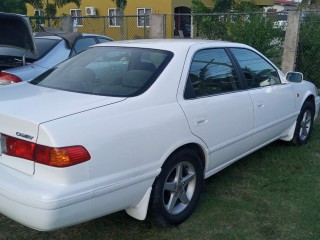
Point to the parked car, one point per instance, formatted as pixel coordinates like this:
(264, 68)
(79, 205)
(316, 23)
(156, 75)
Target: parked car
(138, 125)
(24, 56)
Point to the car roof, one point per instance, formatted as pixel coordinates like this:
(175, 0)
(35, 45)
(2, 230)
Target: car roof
(70, 37)
(172, 44)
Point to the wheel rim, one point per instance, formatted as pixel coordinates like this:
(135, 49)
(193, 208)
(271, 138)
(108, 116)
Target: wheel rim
(305, 125)
(179, 188)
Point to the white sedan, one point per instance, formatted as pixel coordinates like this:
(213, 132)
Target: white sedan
(138, 125)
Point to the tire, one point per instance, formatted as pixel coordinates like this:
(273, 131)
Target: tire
(304, 124)
(177, 189)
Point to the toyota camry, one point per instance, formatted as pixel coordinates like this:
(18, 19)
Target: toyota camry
(138, 125)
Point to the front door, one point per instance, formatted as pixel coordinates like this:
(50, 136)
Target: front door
(273, 101)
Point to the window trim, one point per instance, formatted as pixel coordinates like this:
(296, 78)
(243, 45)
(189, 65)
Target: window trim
(77, 17)
(139, 16)
(39, 10)
(40, 18)
(114, 16)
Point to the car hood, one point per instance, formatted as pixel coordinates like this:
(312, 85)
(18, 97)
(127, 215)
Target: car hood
(16, 33)
(24, 106)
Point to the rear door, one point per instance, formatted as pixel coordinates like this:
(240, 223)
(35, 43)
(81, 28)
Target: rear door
(217, 109)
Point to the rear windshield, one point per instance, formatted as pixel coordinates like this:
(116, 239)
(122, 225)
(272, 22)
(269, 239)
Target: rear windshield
(43, 47)
(107, 71)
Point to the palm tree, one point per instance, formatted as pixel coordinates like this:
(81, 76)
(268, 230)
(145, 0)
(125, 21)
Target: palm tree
(121, 4)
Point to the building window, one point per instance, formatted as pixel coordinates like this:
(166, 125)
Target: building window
(39, 14)
(114, 19)
(77, 16)
(143, 17)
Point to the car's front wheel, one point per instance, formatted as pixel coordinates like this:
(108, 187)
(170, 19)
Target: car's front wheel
(304, 124)
(177, 189)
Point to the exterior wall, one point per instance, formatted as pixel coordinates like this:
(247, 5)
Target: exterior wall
(278, 8)
(173, 24)
(102, 7)
(166, 6)
(264, 2)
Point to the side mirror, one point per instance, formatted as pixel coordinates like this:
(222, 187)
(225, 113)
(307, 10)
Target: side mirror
(294, 76)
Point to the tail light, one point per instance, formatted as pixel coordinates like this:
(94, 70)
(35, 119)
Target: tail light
(56, 157)
(8, 78)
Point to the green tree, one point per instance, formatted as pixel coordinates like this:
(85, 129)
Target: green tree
(219, 6)
(310, 3)
(239, 21)
(13, 6)
(121, 4)
(214, 24)
(51, 6)
(258, 31)
(308, 55)
(223, 5)
(211, 25)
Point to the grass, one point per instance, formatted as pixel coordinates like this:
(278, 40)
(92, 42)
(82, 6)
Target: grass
(273, 193)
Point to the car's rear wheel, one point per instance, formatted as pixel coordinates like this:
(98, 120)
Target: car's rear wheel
(304, 124)
(177, 189)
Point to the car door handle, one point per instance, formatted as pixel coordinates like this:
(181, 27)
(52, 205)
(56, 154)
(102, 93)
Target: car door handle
(259, 105)
(198, 121)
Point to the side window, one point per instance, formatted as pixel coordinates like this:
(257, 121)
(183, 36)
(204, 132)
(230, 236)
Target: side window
(211, 73)
(103, 40)
(257, 71)
(82, 44)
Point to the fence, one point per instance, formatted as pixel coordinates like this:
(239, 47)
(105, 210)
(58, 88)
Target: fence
(126, 27)
(308, 53)
(264, 31)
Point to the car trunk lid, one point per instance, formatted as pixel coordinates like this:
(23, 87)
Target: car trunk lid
(16, 32)
(16, 40)
(23, 109)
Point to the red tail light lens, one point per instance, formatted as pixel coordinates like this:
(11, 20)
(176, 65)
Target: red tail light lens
(17, 147)
(56, 157)
(8, 78)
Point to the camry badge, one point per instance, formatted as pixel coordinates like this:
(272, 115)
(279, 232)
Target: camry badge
(24, 135)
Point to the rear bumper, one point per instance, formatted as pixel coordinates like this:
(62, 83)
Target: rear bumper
(44, 219)
(44, 206)
(40, 205)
